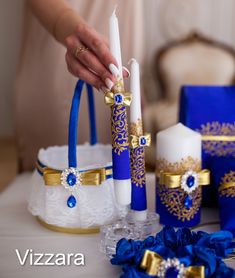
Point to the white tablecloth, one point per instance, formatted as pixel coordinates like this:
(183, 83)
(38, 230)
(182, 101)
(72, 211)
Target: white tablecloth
(19, 230)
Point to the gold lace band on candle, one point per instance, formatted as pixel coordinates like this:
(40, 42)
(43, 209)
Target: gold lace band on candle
(227, 185)
(95, 177)
(171, 180)
(156, 266)
(178, 186)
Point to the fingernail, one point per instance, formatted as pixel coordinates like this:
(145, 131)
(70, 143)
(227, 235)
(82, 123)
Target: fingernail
(109, 83)
(126, 70)
(114, 70)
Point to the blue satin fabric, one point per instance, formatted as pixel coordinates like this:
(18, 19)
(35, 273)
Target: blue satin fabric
(121, 165)
(166, 218)
(191, 248)
(138, 190)
(221, 166)
(138, 198)
(73, 121)
(205, 104)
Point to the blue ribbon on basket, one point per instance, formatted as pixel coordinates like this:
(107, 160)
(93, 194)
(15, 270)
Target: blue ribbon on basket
(73, 121)
(189, 247)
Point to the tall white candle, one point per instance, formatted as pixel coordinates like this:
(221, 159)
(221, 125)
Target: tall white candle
(135, 109)
(114, 40)
(178, 142)
(122, 187)
(138, 192)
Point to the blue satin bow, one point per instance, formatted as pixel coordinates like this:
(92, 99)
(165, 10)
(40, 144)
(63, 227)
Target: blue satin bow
(191, 248)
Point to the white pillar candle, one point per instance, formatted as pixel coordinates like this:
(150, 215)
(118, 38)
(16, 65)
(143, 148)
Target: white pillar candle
(178, 142)
(178, 153)
(139, 193)
(122, 187)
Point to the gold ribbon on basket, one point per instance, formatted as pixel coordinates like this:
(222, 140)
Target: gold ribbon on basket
(52, 177)
(155, 265)
(175, 180)
(136, 141)
(119, 98)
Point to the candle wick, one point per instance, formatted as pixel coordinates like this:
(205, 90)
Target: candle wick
(114, 11)
(131, 61)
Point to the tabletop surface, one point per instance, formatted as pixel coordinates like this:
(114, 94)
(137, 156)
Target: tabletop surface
(20, 230)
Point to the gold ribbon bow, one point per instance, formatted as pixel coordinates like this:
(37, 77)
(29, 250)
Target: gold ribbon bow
(52, 177)
(174, 180)
(135, 140)
(109, 98)
(151, 263)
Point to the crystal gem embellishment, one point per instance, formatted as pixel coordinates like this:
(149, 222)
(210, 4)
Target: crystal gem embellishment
(118, 99)
(71, 179)
(188, 202)
(189, 181)
(71, 202)
(171, 268)
(142, 141)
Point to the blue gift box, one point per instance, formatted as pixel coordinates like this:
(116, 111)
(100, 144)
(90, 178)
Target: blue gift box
(224, 179)
(210, 110)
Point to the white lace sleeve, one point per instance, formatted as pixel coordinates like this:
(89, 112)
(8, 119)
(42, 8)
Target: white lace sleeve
(96, 205)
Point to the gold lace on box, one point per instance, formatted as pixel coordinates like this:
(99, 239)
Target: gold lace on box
(227, 185)
(218, 139)
(179, 186)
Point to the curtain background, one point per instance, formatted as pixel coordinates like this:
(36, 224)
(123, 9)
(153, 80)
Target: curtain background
(165, 20)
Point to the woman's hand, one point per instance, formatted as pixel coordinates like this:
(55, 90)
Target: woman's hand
(89, 58)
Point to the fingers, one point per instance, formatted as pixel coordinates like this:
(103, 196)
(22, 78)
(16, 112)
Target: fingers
(89, 60)
(79, 70)
(94, 62)
(96, 43)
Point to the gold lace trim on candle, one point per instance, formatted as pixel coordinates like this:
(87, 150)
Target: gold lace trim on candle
(138, 167)
(180, 167)
(227, 185)
(119, 128)
(173, 198)
(218, 139)
(136, 128)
